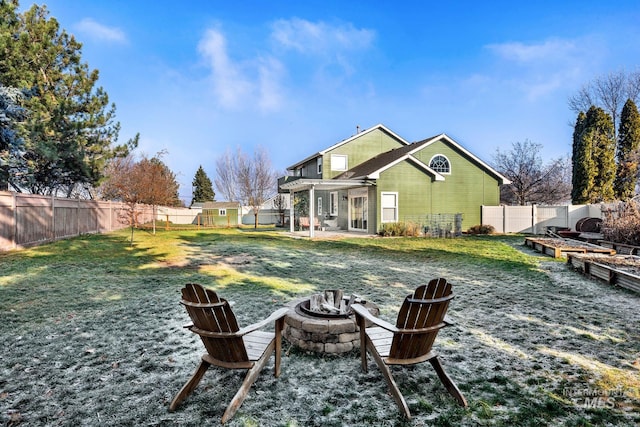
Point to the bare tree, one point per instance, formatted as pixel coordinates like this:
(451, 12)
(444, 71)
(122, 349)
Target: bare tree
(280, 205)
(225, 179)
(633, 86)
(532, 181)
(120, 185)
(157, 183)
(251, 180)
(608, 92)
(148, 181)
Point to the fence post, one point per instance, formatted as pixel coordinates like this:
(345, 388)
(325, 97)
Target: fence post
(53, 218)
(14, 229)
(534, 219)
(504, 219)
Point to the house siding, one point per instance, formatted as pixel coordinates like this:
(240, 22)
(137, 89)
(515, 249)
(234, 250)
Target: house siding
(310, 169)
(360, 150)
(413, 186)
(464, 190)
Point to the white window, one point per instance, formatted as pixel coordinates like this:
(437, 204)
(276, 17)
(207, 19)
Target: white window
(338, 162)
(222, 212)
(319, 165)
(389, 207)
(440, 164)
(333, 203)
(319, 206)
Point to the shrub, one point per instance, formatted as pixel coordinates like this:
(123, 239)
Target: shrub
(403, 229)
(621, 223)
(481, 229)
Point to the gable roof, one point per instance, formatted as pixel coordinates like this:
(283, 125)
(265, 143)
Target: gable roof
(351, 138)
(374, 166)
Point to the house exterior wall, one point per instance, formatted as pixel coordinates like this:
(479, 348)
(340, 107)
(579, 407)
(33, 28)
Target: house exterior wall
(464, 190)
(414, 189)
(360, 150)
(310, 169)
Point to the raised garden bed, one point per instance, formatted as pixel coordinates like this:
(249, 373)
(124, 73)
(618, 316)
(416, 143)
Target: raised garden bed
(621, 248)
(561, 247)
(620, 270)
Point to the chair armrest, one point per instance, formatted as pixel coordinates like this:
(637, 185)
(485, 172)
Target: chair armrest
(362, 311)
(278, 314)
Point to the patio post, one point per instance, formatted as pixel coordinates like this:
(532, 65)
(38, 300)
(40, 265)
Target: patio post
(291, 212)
(311, 211)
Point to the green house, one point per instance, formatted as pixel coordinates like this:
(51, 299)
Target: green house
(376, 177)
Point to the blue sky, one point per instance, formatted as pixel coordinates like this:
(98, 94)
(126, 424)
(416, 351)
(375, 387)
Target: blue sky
(196, 78)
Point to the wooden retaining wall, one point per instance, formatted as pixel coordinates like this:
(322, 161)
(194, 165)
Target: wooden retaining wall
(561, 247)
(621, 248)
(607, 273)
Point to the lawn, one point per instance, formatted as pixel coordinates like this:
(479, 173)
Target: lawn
(92, 333)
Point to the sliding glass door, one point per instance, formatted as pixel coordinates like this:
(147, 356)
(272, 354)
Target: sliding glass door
(358, 211)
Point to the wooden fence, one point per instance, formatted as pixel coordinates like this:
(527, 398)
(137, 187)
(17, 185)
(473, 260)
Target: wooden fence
(28, 219)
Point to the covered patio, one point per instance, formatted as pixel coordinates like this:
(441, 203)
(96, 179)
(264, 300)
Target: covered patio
(295, 185)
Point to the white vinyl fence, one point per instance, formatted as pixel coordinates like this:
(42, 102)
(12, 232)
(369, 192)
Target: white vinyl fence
(535, 219)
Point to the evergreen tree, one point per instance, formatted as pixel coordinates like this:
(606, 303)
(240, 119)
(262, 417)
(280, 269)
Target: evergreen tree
(11, 145)
(202, 187)
(70, 129)
(599, 134)
(628, 144)
(583, 164)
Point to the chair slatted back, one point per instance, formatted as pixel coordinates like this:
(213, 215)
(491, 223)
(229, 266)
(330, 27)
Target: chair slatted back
(420, 318)
(213, 314)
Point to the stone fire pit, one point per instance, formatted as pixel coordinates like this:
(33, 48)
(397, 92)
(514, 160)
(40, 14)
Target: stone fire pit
(324, 322)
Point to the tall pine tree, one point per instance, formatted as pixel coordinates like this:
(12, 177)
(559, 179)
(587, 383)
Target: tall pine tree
(628, 144)
(593, 158)
(70, 128)
(202, 187)
(583, 164)
(599, 133)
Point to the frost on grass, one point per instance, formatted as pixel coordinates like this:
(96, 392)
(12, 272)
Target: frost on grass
(529, 347)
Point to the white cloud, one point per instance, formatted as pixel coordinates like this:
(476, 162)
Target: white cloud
(233, 84)
(271, 97)
(538, 70)
(320, 38)
(101, 32)
(241, 83)
(550, 50)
